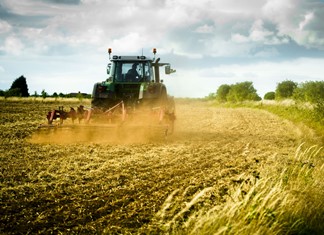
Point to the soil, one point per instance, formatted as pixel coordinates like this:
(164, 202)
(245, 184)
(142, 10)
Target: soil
(93, 183)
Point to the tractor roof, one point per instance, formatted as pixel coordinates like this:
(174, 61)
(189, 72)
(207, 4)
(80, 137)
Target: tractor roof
(131, 58)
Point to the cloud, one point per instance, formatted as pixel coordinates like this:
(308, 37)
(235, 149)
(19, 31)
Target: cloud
(301, 20)
(205, 29)
(202, 39)
(260, 35)
(69, 2)
(308, 17)
(238, 38)
(13, 46)
(4, 27)
(96, 24)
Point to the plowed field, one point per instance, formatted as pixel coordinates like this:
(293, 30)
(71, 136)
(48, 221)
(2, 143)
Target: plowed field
(100, 186)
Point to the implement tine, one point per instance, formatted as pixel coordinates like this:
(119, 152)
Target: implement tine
(112, 108)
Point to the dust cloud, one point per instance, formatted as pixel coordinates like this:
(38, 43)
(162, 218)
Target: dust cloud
(140, 127)
(99, 134)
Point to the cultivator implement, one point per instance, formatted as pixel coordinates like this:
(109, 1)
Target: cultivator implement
(62, 115)
(118, 120)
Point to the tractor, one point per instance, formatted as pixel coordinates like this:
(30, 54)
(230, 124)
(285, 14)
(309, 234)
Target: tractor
(133, 89)
(133, 93)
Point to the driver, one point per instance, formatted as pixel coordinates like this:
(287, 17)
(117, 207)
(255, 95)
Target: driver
(132, 73)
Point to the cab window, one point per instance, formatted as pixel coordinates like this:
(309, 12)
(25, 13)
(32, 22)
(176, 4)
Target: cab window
(132, 72)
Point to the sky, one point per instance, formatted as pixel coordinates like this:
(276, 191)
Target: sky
(61, 45)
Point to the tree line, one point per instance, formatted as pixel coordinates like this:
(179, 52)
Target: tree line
(310, 91)
(19, 88)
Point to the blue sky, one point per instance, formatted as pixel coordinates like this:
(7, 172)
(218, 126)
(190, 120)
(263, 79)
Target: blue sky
(61, 45)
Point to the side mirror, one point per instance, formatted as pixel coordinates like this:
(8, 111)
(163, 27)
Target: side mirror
(108, 68)
(169, 70)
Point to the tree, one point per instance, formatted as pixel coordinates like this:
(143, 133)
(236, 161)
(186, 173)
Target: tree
(12, 92)
(311, 91)
(44, 94)
(35, 94)
(80, 96)
(270, 95)
(211, 96)
(20, 87)
(285, 89)
(222, 92)
(242, 91)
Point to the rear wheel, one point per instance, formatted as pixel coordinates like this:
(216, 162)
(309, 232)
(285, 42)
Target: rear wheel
(170, 113)
(167, 107)
(163, 98)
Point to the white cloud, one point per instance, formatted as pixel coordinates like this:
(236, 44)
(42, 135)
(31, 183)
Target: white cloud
(308, 17)
(258, 32)
(97, 22)
(130, 43)
(260, 35)
(205, 29)
(4, 26)
(281, 12)
(301, 20)
(13, 46)
(238, 38)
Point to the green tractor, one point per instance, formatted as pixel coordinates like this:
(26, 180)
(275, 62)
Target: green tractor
(134, 91)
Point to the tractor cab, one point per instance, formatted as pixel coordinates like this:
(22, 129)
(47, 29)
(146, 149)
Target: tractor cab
(130, 70)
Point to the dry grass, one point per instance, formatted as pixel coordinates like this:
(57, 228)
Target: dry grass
(223, 171)
(288, 199)
(45, 100)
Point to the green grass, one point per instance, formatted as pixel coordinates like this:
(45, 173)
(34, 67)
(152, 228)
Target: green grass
(299, 113)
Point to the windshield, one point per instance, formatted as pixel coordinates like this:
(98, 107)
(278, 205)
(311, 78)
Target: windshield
(132, 71)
